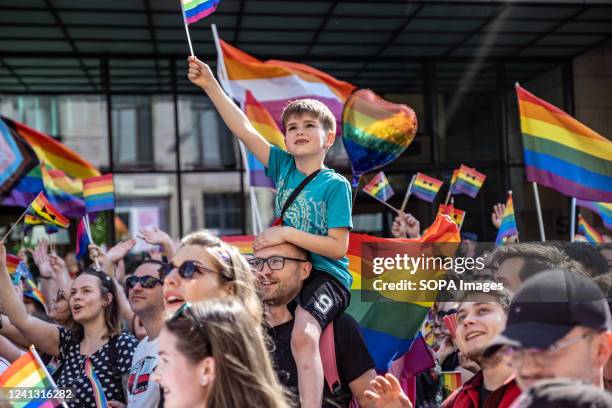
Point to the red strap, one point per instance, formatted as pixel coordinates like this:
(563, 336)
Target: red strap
(327, 349)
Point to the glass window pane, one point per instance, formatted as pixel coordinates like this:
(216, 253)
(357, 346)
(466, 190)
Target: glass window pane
(206, 143)
(145, 200)
(143, 132)
(78, 121)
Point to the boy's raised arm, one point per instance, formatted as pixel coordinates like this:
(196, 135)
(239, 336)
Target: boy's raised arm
(201, 75)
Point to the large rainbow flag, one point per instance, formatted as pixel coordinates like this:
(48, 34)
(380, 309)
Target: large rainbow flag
(16, 159)
(28, 371)
(603, 209)
(562, 153)
(61, 189)
(264, 123)
(274, 83)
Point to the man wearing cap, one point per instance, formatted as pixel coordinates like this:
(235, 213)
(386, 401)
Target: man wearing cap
(481, 317)
(558, 327)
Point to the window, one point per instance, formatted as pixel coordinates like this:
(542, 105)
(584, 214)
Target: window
(132, 141)
(223, 213)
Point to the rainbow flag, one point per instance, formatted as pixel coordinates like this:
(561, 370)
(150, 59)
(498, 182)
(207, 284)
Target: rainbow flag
(31, 290)
(275, 83)
(11, 263)
(264, 123)
(98, 391)
(375, 131)
(590, 233)
(28, 371)
(468, 181)
(508, 225)
(41, 208)
(82, 244)
(244, 243)
(379, 187)
(426, 187)
(32, 220)
(562, 153)
(99, 193)
(457, 214)
(389, 328)
(16, 159)
(195, 10)
(603, 209)
(450, 381)
(59, 188)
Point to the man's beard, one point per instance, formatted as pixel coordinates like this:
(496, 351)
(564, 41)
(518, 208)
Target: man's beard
(485, 362)
(281, 297)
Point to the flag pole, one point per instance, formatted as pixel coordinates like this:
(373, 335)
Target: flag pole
(539, 209)
(382, 201)
(356, 192)
(448, 195)
(408, 193)
(15, 224)
(573, 220)
(186, 28)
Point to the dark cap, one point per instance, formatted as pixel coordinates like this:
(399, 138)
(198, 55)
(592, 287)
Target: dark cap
(564, 393)
(548, 306)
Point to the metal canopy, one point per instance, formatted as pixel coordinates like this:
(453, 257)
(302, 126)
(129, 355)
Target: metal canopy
(71, 45)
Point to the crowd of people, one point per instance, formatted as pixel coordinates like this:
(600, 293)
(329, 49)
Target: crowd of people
(198, 324)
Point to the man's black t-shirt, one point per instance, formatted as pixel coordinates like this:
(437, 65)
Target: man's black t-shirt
(352, 358)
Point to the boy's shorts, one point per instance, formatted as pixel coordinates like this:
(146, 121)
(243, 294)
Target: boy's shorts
(323, 297)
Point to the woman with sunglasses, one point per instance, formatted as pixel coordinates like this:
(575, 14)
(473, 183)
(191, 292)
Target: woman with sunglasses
(212, 355)
(203, 268)
(96, 337)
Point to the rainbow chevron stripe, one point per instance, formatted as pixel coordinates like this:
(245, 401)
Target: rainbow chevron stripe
(590, 233)
(195, 10)
(98, 391)
(379, 187)
(603, 209)
(45, 211)
(508, 225)
(426, 187)
(562, 153)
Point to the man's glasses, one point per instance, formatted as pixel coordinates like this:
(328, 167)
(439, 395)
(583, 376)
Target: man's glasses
(442, 313)
(146, 281)
(274, 262)
(188, 269)
(542, 357)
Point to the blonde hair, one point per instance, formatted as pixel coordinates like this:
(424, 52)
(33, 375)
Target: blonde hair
(223, 330)
(312, 107)
(234, 270)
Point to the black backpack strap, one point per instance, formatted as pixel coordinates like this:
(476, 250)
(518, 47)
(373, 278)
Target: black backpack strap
(297, 191)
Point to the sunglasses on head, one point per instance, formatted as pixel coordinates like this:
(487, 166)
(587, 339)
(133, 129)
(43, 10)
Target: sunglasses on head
(188, 269)
(146, 281)
(61, 295)
(185, 311)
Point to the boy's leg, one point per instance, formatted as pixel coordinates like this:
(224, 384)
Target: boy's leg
(305, 348)
(320, 301)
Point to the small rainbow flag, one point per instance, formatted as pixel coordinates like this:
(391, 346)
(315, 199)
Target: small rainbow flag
(98, 391)
(469, 181)
(28, 371)
(195, 10)
(31, 289)
(590, 233)
(99, 193)
(264, 123)
(562, 153)
(450, 321)
(44, 210)
(244, 243)
(11, 263)
(426, 187)
(450, 381)
(457, 215)
(379, 187)
(508, 225)
(603, 209)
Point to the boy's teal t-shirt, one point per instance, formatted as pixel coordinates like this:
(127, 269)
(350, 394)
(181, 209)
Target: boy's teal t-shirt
(324, 203)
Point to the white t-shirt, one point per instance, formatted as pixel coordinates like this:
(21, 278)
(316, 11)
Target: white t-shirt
(143, 392)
